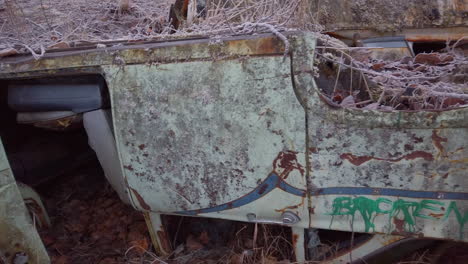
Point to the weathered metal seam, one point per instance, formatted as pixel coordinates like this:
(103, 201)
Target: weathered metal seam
(304, 102)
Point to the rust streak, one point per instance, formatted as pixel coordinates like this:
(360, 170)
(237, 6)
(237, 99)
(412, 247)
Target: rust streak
(291, 207)
(295, 238)
(465, 160)
(438, 216)
(438, 140)
(163, 239)
(142, 202)
(359, 160)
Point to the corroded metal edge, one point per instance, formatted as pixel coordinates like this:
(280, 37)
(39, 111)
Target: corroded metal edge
(148, 53)
(90, 61)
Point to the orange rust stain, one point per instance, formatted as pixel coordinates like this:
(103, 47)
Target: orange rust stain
(465, 160)
(291, 207)
(438, 216)
(269, 46)
(295, 238)
(437, 141)
(435, 38)
(185, 8)
(461, 5)
(164, 242)
(391, 240)
(142, 202)
(262, 46)
(359, 160)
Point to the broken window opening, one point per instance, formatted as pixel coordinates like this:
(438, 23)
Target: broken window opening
(428, 47)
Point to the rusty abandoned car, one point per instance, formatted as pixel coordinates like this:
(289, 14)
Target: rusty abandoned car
(237, 128)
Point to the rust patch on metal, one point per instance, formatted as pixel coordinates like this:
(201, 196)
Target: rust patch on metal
(400, 229)
(399, 225)
(359, 160)
(409, 147)
(418, 139)
(142, 146)
(260, 46)
(142, 202)
(285, 162)
(262, 189)
(163, 240)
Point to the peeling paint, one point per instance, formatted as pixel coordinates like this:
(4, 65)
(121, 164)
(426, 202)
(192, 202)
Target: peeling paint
(285, 162)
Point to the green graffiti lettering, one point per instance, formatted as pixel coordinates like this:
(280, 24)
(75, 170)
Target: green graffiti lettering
(405, 211)
(427, 204)
(461, 219)
(366, 207)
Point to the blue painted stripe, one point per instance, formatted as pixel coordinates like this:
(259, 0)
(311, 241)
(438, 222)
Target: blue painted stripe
(273, 181)
(291, 189)
(270, 183)
(390, 192)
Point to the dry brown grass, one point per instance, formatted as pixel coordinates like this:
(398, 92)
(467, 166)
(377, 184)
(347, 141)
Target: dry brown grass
(433, 81)
(43, 23)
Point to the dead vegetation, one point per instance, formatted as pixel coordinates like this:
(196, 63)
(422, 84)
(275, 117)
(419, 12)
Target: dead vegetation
(89, 222)
(352, 78)
(32, 25)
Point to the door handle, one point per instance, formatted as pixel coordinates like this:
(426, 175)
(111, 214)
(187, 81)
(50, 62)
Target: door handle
(287, 218)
